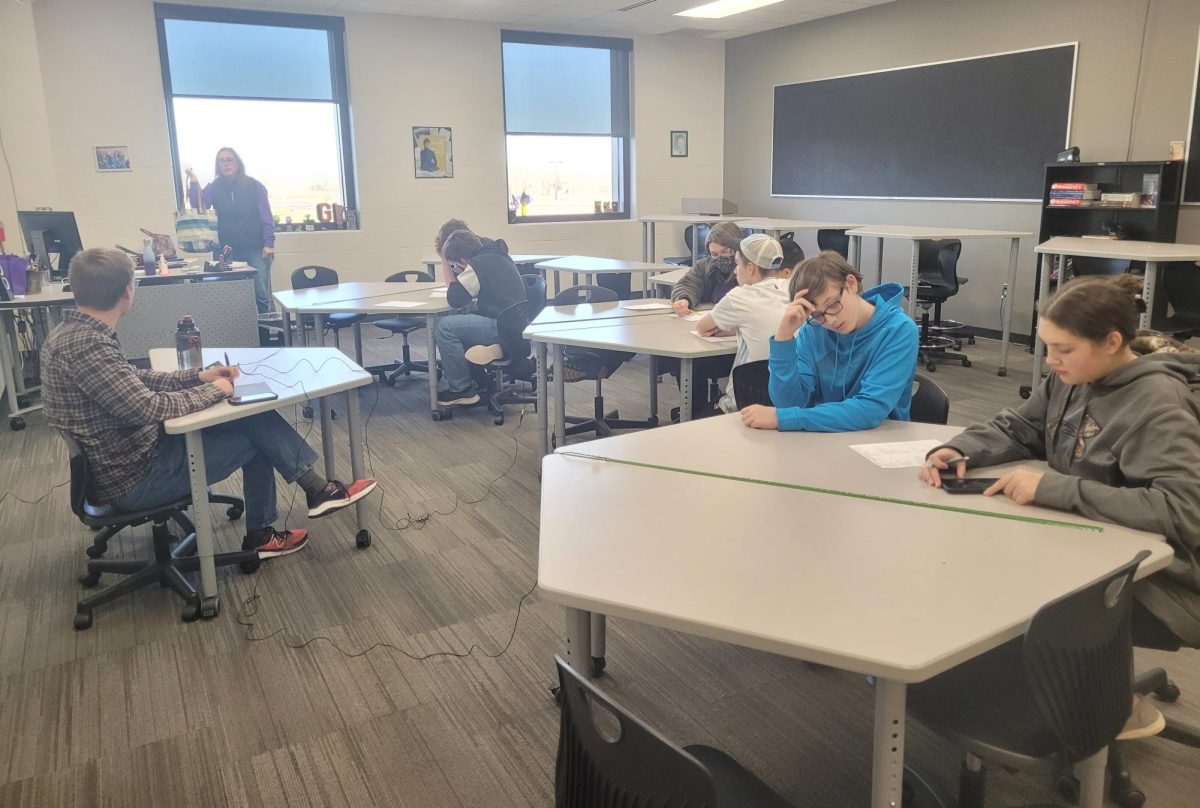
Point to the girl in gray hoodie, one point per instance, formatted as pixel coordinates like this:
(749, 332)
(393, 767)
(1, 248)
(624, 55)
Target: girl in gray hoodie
(1121, 434)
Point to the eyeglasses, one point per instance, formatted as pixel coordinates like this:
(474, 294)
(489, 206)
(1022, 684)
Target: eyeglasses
(818, 317)
(227, 160)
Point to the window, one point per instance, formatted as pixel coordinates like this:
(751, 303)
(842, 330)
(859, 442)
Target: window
(566, 122)
(270, 86)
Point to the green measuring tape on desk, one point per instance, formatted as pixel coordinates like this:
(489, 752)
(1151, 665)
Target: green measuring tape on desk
(812, 489)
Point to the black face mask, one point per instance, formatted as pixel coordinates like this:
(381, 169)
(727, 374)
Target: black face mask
(723, 264)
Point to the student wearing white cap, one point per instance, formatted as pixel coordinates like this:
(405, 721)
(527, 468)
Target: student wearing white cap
(751, 310)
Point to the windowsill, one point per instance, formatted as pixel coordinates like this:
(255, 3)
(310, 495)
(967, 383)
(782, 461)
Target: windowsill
(603, 217)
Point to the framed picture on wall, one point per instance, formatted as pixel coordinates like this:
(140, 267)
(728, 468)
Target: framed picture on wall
(433, 152)
(113, 158)
(678, 143)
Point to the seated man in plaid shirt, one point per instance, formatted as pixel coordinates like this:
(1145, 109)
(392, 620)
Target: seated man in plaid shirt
(115, 411)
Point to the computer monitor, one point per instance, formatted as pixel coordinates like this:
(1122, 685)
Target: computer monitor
(51, 232)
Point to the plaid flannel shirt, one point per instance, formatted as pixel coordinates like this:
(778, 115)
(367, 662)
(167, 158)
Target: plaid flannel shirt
(115, 411)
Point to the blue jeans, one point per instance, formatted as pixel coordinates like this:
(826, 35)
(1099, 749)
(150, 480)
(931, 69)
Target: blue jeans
(262, 279)
(456, 333)
(259, 445)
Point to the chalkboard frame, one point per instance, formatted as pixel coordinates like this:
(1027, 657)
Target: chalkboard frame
(1191, 169)
(1074, 46)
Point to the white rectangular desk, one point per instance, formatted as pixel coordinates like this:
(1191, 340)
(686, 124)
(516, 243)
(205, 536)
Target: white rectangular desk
(777, 226)
(520, 259)
(664, 282)
(1152, 253)
(650, 220)
(417, 299)
(295, 375)
(902, 591)
(917, 234)
(658, 335)
(589, 267)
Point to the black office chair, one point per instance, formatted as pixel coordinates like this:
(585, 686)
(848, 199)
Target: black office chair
(1042, 702)
(640, 767)
(937, 282)
(751, 384)
(311, 276)
(793, 253)
(836, 240)
(930, 404)
(517, 364)
(169, 564)
(691, 231)
(402, 325)
(1180, 291)
(601, 422)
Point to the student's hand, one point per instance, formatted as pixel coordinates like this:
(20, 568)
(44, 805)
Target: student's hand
(1020, 486)
(794, 316)
(224, 385)
(681, 306)
(229, 372)
(936, 463)
(716, 332)
(268, 252)
(756, 416)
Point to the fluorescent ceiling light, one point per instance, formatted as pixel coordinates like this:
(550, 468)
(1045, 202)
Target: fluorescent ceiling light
(725, 8)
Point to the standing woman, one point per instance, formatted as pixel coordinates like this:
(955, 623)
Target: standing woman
(244, 221)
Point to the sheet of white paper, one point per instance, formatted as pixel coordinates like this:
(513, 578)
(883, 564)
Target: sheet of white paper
(438, 292)
(719, 340)
(899, 455)
(647, 306)
(692, 316)
(398, 304)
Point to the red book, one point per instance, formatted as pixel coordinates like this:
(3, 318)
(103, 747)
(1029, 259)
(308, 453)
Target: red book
(1074, 186)
(1071, 203)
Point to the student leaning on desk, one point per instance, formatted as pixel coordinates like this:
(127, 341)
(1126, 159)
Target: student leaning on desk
(115, 411)
(840, 360)
(1121, 434)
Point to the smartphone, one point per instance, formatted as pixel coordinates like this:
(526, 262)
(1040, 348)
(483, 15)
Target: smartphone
(967, 485)
(252, 394)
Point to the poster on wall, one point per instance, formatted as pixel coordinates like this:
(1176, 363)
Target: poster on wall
(112, 158)
(433, 152)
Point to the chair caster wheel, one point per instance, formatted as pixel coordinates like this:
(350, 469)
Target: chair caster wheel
(1168, 692)
(554, 441)
(250, 567)
(89, 579)
(307, 412)
(652, 421)
(95, 552)
(390, 381)
(1067, 787)
(83, 620)
(971, 340)
(498, 420)
(362, 539)
(234, 513)
(1002, 372)
(1129, 799)
(1025, 391)
(190, 612)
(931, 367)
(16, 424)
(210, 607)
(598, 666)
(966, 363)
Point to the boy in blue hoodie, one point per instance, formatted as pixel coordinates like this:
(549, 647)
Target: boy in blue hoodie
(841, 359)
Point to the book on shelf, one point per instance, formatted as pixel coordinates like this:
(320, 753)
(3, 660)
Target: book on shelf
(1074, 186)
(1074, 194)
(1128, 200)
(1072, 203)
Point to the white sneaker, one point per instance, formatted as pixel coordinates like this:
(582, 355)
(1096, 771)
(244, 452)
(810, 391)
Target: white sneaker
(484, 354)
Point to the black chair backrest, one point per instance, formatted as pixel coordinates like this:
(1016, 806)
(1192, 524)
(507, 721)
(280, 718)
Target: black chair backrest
(309, 276)
(1181, 285)
(792, 252)
(937, 266)
(408, 276)
(575, 295)
(930, 404)
(835, 240)
(155, 280)
(81, 476)
(638, 768)
(535, 294)
(1078, 658)
(751, 384)
(694, 231)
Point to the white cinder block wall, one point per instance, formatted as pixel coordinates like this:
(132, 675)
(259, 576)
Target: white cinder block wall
(86, 73)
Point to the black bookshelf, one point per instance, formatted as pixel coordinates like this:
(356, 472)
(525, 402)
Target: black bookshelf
(1156, 223)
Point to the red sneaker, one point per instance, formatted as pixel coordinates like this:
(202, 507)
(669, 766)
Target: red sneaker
(280, 544)
(337, 495)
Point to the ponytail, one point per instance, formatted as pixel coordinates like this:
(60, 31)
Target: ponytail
(1094, 307)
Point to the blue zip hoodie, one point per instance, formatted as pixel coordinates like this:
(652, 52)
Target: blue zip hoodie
(823, 381)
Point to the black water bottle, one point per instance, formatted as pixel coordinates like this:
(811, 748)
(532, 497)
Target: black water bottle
(187, 345)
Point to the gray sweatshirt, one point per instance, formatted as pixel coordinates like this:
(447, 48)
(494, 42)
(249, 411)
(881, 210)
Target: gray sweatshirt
(1124, 449)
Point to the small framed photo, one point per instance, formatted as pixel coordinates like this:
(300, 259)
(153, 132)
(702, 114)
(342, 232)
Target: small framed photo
(113, 158)
(433, 152)
(678, 143)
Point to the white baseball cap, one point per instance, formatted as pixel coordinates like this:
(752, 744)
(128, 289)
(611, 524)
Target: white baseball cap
(762, 251)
